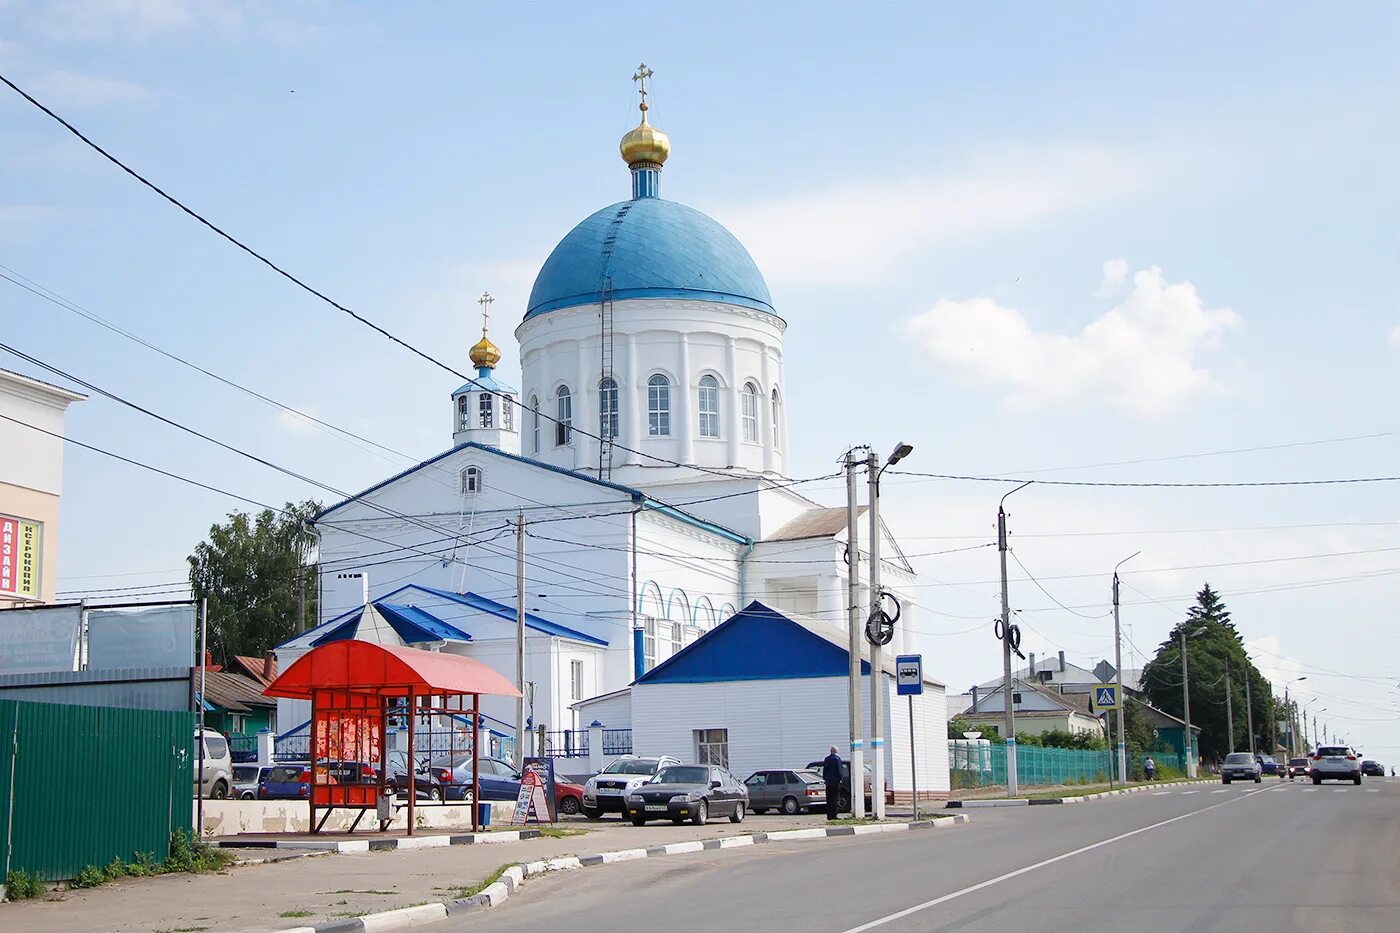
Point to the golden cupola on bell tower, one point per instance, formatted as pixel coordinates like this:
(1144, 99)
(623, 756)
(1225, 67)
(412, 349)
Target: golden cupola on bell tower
(484, 408)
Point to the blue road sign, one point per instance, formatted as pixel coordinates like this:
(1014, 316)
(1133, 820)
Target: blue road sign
(1104, 696)
(909, 675)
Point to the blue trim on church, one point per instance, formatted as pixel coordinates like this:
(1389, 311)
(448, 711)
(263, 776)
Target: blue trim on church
(500, 610)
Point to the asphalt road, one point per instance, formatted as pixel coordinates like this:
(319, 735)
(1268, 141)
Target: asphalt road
(1243, 859)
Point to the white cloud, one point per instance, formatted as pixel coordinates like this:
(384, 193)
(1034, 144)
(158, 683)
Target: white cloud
(101, 20)
(75, 89)
(19, 218)
(857, 232)
(1395, 335)
(294, 422)
(1140, 357)
(1115, 276)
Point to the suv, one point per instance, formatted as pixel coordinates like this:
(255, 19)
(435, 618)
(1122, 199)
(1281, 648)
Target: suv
(1372, 768)
(1335, 763)
(607, 792)
(217, 771)
(1269, 765)
(1297, 767)
(1241, 766)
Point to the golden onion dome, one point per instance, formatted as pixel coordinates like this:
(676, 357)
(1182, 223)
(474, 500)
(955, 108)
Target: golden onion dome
(485, 354)
(645, 144)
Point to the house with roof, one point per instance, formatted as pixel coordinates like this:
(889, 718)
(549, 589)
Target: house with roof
(1037, 709)
(235, 705)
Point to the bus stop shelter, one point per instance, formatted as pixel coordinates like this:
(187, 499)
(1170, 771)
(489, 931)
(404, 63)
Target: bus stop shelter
(358, 689)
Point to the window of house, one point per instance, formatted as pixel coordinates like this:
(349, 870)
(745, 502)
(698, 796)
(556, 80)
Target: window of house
(677, 634)
(607, 408)
(471, 480)
(535, 423)
(749, 404)
(712, 747)
(709, 407)
(658, 406)
(463, 413)
(508, 413)
(777, 421)
(576, 680)
(564, 425)
(649, 643)
(486, 406)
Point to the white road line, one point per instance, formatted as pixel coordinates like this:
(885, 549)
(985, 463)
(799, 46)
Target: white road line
(1188, 792)
(1372, 790)
(901, 914)
(1340, 790)
(1309, 790)
(1217, 792)
(1161, 793)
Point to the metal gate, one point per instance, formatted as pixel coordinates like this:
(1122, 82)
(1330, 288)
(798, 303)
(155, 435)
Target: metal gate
(82, 785)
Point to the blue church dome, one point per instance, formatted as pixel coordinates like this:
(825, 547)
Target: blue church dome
(650, 248)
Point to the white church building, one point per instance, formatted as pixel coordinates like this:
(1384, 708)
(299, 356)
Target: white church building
(646, 453)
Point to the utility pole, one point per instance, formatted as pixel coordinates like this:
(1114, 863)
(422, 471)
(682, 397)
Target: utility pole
(520, 637)
(301, 598)
(857, 756)
(1186, 703)
(1249, 709)
(1007, 689)
(1229, 708)
(877, 660)
(1118, 663)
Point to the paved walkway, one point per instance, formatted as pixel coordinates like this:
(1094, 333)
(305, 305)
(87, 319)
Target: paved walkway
(274, 895)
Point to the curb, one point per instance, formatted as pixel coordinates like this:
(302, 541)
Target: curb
(380, 845)
(1082, 798)
(496, 893)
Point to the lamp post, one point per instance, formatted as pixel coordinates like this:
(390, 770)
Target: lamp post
(1118, 663)
(1186, 701)
(1304, 717)
(1007, 691)
(877, 670)
(1288, 711)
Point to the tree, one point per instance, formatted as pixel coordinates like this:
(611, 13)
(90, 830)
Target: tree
(254, 570)
(1207, 657)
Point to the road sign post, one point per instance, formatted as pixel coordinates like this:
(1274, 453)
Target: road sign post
(1104, 697)
(909, 681)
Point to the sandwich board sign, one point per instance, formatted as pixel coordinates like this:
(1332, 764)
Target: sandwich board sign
(1103, 697)
(532, 803)
(909, 675)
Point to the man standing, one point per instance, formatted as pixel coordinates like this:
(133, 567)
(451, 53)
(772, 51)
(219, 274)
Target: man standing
(831, 774)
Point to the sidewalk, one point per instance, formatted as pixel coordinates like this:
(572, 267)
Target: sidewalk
(317, 888)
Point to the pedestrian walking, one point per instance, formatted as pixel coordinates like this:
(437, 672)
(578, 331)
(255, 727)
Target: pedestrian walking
(1149, 768)
(831, 774)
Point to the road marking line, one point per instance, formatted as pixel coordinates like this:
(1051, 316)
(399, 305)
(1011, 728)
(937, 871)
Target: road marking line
(901, 914)
(1372, 790)
(1309, 790)
(1217, 792)
(1187, 792)
(1162, 793)
(1340, 790)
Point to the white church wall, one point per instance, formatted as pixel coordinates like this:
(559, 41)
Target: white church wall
(750, 505)
(686, 575)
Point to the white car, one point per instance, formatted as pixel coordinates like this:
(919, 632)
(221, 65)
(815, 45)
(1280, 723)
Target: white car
(217, 766)
(607, 792)
(1335, 763)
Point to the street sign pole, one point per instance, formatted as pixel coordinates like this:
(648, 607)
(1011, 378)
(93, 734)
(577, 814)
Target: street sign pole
(913, 758)
(909, 681)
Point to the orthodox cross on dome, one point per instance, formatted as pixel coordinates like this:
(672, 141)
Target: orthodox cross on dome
(643, 72)
(485, 302)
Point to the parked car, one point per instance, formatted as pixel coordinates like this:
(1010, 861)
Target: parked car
(1268, 765)
(845, 805)
(246, 779)
(218, 765)
(688, 792)
(788, 791)
(286, 782)
(1297, 767)
(499, 781)
(1241, 766)
(431, 783)
(1372, 768)
(606, 792)
(1335, 763)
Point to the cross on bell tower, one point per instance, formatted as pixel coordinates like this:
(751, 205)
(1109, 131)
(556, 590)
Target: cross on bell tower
(643, 72)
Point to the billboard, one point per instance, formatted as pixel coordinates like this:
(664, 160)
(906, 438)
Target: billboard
(39, 640)
(160, 636)
(21, 543)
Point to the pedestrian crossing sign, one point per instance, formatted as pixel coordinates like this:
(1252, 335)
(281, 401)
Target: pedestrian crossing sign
(1104, 696)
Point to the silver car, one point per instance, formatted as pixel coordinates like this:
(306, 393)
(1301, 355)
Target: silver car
(607, 792)
(788, 791)
(217, 765)
(1241, 766)
(1335, 763)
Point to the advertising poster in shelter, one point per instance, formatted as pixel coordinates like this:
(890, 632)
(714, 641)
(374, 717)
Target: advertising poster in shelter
(159, 636)
(39, 640)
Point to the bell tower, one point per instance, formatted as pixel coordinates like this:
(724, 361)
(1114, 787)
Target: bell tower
(484, 410)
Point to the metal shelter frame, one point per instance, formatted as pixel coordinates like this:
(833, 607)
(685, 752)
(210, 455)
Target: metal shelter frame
(356, 688)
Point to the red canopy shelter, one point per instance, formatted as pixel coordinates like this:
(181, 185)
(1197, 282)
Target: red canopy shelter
(355, 687)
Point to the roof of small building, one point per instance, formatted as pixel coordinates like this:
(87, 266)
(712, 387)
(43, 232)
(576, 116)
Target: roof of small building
(815, 523)
(234, 692)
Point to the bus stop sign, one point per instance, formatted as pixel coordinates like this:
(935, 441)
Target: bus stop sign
(909, 675)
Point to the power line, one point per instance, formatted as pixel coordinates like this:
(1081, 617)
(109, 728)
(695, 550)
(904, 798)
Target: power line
(1127, 485)
(219, 231)
(1040, 587)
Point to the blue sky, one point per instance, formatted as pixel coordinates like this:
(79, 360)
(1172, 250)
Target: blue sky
(1022, 239)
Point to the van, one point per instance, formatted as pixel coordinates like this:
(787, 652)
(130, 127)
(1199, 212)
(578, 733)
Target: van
(218, 765)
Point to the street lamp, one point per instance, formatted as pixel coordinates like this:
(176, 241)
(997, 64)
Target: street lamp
(1305, 725)
(1187, 742)
(877, 621)
(1118, 663)
(1006, 640)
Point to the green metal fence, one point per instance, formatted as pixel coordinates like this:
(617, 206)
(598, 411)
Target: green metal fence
(81, 785)
(982, 764)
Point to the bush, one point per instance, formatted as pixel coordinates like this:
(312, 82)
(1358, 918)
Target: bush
(89, 877)
(194, 855)
(21, 886)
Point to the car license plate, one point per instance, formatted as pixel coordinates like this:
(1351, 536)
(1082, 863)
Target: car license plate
(656, 807)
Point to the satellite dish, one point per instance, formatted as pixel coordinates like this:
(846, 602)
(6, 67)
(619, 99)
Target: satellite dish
(972, 735)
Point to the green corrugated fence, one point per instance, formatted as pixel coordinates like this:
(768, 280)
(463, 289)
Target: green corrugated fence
(981, 764)
(81, 785)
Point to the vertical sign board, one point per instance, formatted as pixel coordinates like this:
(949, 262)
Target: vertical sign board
(909, 675)
(21, 542)
(534, 802)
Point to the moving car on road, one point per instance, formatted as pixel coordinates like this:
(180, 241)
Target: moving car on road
(788, 791)
(1335, 763)
(1372, 768)
(607, 792)
(1241, 766)
(688, 792)
(1297, 767)
(1268, 765)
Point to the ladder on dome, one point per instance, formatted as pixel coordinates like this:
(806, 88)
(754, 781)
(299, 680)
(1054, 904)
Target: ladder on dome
(605, 344)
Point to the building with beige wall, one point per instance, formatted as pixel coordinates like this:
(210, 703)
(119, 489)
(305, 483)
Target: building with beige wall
(31, 484)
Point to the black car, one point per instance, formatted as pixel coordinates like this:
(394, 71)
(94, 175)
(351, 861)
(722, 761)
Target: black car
(430, 782)
(1371, 768)
(688, 792)
(845, 804)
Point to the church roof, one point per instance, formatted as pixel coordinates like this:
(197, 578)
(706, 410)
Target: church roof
(501, 610)
(648, 248)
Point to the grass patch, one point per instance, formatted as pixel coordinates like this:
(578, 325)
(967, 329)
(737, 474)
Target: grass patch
(349, 914)
(289, 914)
(482, 885)
(22, 885)
(187, 855)
(553, 832)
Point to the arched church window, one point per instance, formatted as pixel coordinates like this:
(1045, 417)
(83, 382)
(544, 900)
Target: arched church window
(607, 407)
(508, 412)
(709, 407)
(463, 413)
(535, 424)
(564, 418)
(658, 406)
(777, 421)
(472, 478)
(749, 398)
(486, 406)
